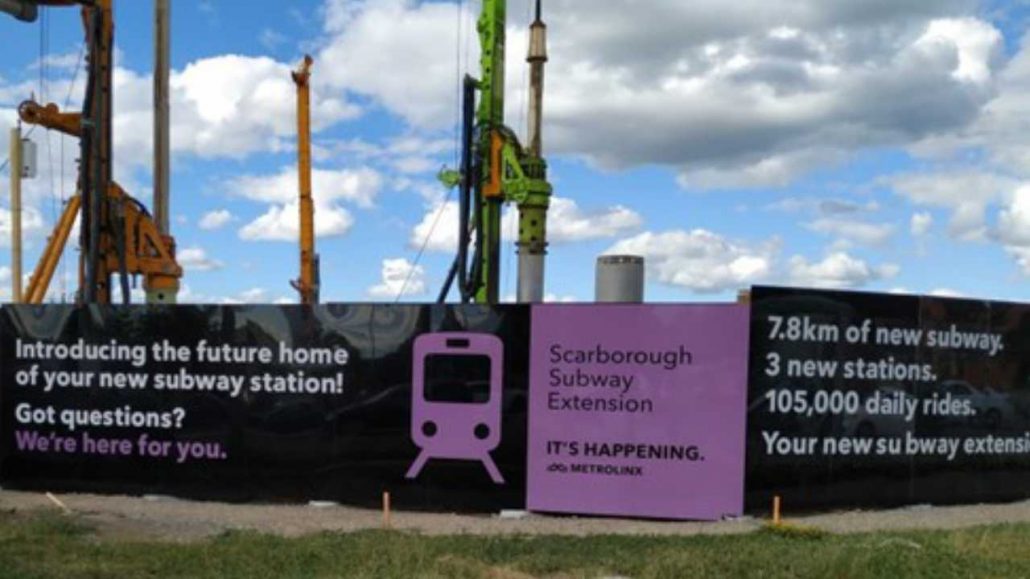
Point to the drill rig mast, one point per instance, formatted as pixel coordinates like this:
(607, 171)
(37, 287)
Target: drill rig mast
(118, 235)
(496, 169)
(307, 284)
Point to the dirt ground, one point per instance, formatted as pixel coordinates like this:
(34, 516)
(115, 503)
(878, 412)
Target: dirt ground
(166, 518)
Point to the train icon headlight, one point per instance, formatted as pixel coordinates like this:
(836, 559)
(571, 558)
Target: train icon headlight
(456, 397)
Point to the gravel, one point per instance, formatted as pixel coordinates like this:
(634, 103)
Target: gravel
(171, 519)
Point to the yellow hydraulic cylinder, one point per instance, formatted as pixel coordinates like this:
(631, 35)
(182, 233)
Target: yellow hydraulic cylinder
(47, 264)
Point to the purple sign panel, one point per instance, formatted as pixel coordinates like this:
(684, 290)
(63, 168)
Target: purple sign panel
(638, 410)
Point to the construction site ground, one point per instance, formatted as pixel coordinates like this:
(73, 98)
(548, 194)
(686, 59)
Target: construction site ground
(170, 519)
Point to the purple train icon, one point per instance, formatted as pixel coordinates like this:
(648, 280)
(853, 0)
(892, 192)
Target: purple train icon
(456, 399)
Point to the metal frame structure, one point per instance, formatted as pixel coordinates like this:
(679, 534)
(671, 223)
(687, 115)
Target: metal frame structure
(496, 169)
(118, 235)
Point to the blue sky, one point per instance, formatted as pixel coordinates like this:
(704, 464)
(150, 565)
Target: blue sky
(854, 144)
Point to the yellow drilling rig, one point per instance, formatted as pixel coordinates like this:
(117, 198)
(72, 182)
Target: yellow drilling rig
(118, 234)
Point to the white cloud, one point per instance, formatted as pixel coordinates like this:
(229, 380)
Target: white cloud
(271, 39)
(837, 270)
(232, 105)
(137, 294)
(864, 233)
(966, 193)
(409, 154)
(255, 295)
(1022, 257)
(398, 52)
(997, 154)
(701, 260)
(217, 219)
(558, 299)
(31, 225)
(400, 278)
(938, 292)
(1014, 219)
(976, 43)
(357, 186)
(196, 259)
(921, 223)
(438, 229)
(414, 165)
(222, 106)
(280, 222)
(567, 222)
(748, 94)
(1014, 228)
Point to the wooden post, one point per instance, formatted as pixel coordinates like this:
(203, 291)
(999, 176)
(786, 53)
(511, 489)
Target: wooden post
(744, 297)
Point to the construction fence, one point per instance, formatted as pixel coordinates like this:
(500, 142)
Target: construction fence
(679, 411)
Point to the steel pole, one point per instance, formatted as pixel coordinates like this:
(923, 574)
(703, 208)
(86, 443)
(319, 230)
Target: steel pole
(162, 48)
(162, 139)
(15, 168)
(532, 244)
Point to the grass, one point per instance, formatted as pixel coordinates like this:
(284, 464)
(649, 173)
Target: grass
(50, 545)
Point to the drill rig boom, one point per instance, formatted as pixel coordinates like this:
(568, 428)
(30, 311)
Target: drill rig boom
(118, 235)
(307, 285)
(496, 169)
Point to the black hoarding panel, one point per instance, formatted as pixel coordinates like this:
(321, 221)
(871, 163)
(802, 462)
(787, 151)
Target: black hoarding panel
(269, 402)
(866, 399)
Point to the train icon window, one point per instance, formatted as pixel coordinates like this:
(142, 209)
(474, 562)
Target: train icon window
(463, 379)
(456, 397)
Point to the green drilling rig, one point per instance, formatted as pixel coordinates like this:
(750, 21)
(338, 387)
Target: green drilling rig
(497, 169)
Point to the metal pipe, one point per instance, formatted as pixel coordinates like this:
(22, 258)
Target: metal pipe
(536, 58)
(532, 244)
(467, 185)
(162, 140)
(15, 168)
(530, 286)
(448, 282)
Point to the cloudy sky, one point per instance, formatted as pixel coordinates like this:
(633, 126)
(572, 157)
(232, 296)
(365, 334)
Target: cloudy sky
(866, 144)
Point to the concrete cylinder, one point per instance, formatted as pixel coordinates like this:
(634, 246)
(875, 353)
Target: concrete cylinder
(619, 279)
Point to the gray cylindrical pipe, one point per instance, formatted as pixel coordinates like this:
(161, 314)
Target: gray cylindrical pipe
(620, 278)
(162, 135)
(531, 277)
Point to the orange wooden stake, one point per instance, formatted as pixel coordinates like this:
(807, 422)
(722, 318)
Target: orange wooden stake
(386, 510)
(776, 510)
